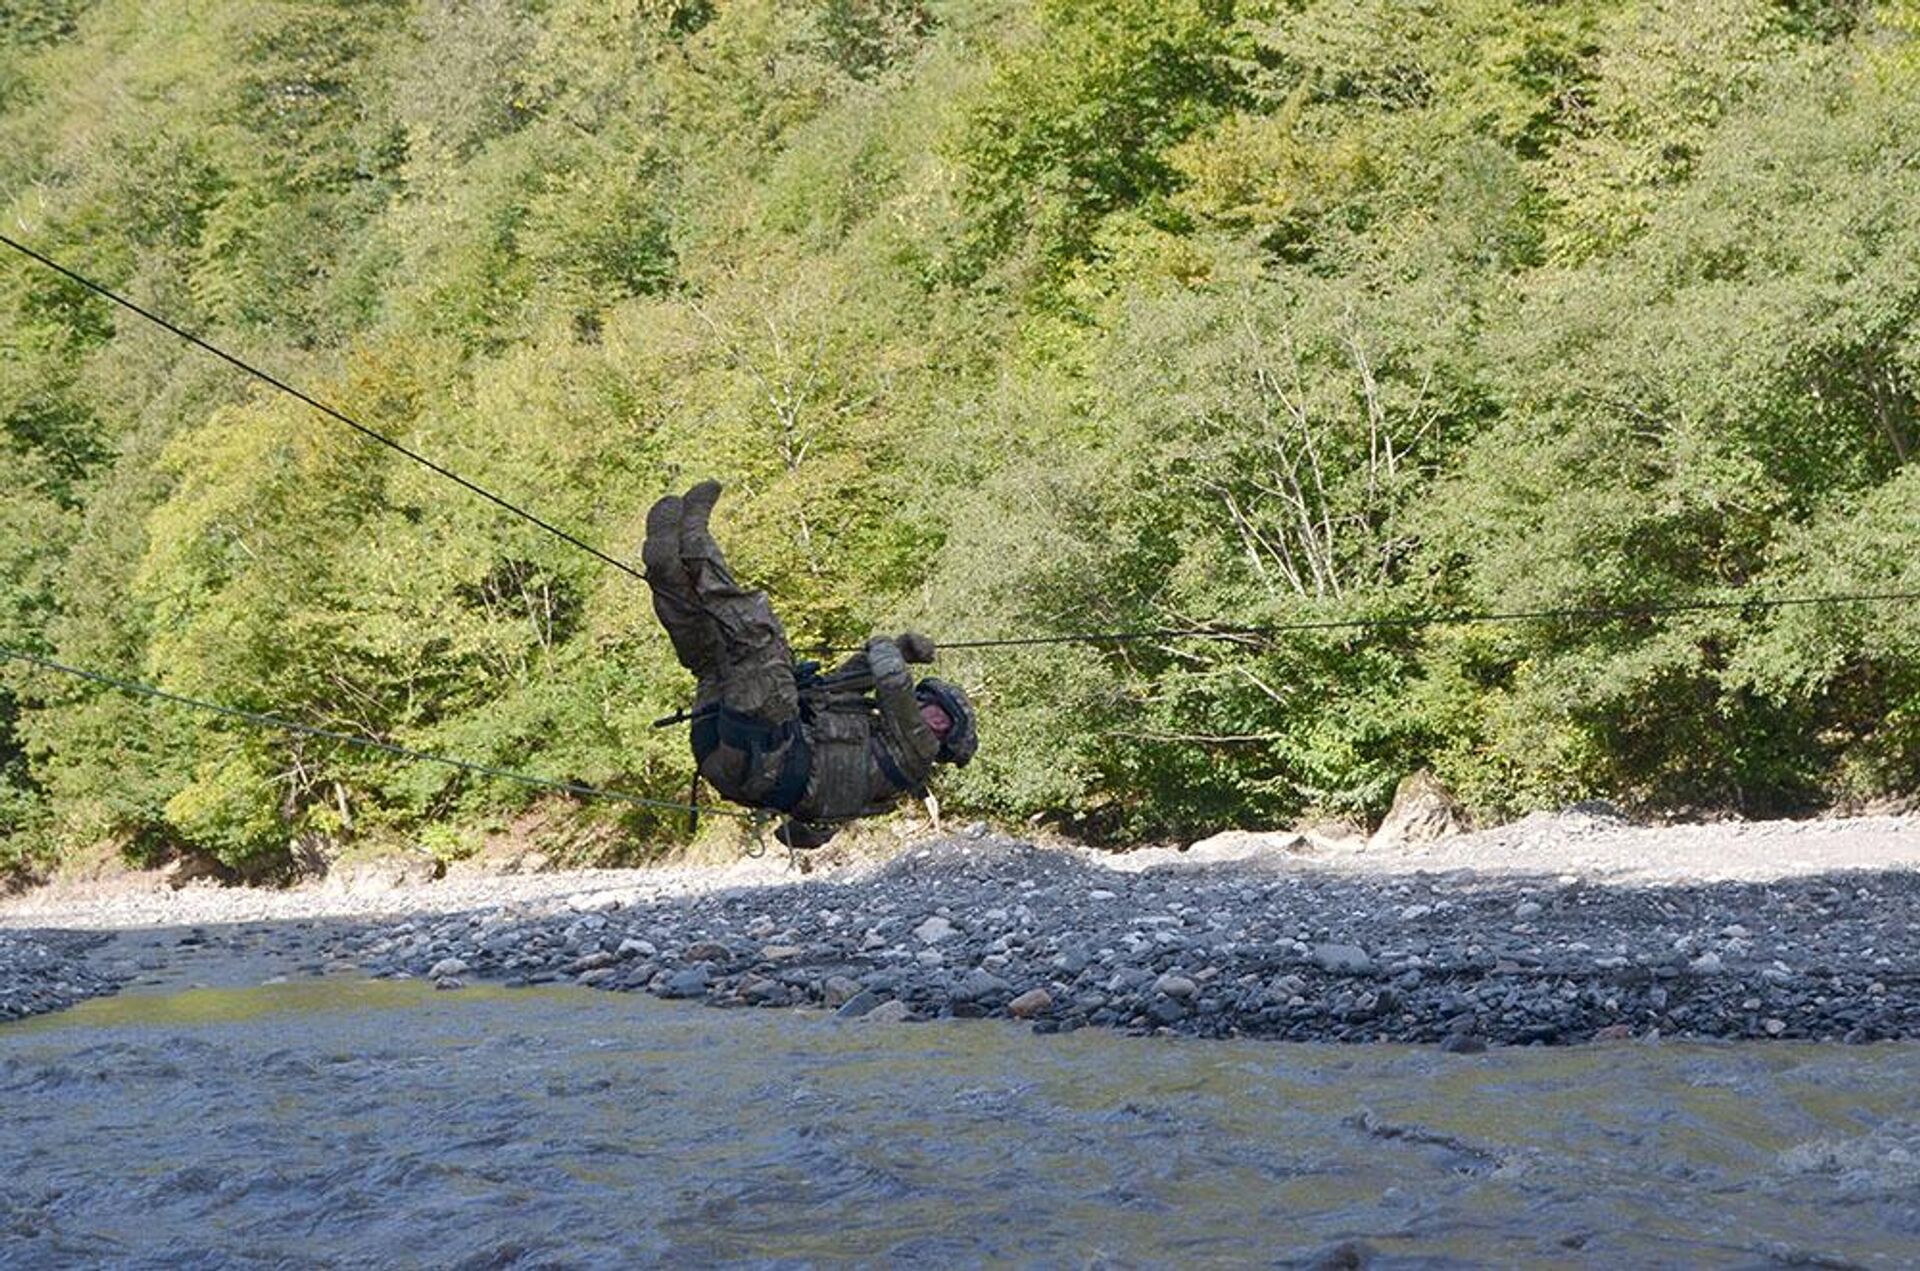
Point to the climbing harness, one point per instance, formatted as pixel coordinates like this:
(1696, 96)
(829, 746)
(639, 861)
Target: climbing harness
(757, 822)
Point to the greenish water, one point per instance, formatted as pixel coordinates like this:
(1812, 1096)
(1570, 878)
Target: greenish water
(351, 1123)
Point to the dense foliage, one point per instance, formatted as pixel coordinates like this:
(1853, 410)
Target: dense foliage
(998, 317)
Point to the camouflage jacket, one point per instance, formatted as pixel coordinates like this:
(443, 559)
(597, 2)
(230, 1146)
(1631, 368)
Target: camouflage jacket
(869, 744)
(858, 745)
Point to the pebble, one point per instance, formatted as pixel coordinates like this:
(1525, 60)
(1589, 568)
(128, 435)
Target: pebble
(1342, 959)
(1171, 985)
(1031, 1003)
(934, 930)
(837, 990)
(859, 1004)
(689, 983)
(980, 985)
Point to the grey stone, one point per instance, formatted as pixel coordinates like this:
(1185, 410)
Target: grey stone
(593, 902)
(762, 990)
(1424, 811)
(934, 930)
(838, 990)
(981, 985)
(1342, 959)
(859, 1004)
(1167, 1010)
(1173, 984)
(692, 982)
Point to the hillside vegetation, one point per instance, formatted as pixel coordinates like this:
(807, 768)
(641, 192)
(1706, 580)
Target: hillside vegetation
(998, 317)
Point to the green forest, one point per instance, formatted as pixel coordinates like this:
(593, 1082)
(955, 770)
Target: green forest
(998, 318)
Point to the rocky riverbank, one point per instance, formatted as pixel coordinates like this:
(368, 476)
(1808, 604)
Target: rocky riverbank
(1266, 936)
(48, 971)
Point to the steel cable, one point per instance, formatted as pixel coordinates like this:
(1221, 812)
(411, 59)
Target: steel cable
(1208, 632)
(355, 739)
(1419, 620)
(330, 411)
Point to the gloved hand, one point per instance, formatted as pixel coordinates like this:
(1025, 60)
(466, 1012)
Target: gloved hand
(915, 647)
(884, 659)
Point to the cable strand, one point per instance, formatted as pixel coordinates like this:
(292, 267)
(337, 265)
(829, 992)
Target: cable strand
(353, 739)
(325, 409)
(1418, 620)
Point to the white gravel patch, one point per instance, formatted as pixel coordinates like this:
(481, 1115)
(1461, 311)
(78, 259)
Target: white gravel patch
(1568, 846)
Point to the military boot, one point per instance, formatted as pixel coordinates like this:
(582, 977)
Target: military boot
(660, 553)
(697, 509)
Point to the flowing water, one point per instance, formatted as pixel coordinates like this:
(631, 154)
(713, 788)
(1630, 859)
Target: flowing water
(379, 1124)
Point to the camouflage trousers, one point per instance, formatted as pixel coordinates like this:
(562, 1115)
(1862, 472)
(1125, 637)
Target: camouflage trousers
(725, 634)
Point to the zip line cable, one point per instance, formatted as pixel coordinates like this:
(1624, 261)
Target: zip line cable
(330, 411)
(354, 739)
(1081, 637)
(1419, 620)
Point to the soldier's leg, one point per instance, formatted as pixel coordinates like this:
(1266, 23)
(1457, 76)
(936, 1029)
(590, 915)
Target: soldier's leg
(696, 638)
(759, 677)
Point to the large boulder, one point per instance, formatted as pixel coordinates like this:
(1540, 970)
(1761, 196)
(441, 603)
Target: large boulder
(191, 867)
(1424, 811)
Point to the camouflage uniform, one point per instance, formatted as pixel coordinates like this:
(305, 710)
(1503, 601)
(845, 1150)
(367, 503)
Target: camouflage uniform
(821, 748)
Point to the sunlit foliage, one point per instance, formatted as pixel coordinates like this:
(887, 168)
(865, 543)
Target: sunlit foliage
(998, 317)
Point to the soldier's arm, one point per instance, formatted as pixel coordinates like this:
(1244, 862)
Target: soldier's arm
(899, 708)
(857, 670)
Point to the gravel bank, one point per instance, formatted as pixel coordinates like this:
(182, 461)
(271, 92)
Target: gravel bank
(48, 971)
(1248, 935)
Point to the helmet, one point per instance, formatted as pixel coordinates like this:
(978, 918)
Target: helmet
(962, 739)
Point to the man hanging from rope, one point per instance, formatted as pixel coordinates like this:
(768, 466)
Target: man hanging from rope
(821, 748)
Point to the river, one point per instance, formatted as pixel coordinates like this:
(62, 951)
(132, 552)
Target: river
(352, 1123)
